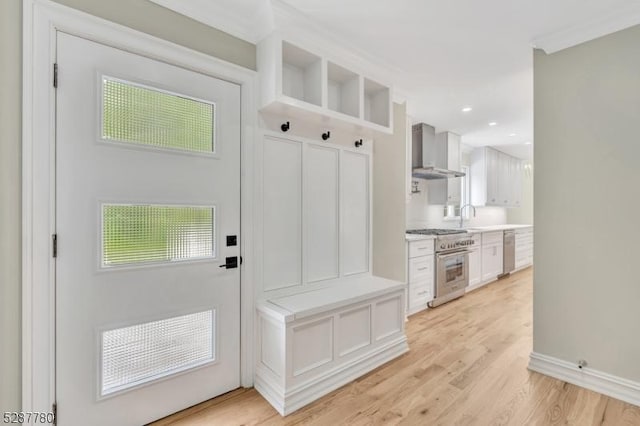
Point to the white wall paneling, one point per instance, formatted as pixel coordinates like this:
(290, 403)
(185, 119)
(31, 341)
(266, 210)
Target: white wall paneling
(315, 213)
(282, 213)
(321, 212)
(356, 222)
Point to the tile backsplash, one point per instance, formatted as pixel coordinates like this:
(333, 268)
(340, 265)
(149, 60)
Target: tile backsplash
(420, 214)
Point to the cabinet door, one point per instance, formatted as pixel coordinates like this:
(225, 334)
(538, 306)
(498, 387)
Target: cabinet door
(516, 182)
(475, 267)
(491, 262)
(454, 191)
(492, 177)
(504, 179)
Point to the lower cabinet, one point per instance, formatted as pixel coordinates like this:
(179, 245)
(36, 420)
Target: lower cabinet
(475, 267)
(311, 343)
(492, 255)
(524, 248)
(421, 275)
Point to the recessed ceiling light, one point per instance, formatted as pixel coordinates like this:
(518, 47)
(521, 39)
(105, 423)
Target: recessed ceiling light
(467, 109)
(493, 123)
(512, 134)
(527, 143)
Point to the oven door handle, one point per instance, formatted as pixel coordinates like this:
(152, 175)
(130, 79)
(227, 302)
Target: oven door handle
(458, 253)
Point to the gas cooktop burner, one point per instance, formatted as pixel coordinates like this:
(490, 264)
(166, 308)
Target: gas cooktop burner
(436, 231)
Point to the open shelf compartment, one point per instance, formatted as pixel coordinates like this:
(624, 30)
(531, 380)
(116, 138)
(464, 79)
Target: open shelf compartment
(301, 74)
(343, 90)
(376, 103)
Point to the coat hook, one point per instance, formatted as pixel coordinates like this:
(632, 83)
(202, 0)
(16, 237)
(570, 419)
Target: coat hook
(285, 127)
(358, 144)
(326, 136)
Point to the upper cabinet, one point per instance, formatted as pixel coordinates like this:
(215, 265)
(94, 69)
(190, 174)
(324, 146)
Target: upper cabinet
(299, 83)
(496, 178)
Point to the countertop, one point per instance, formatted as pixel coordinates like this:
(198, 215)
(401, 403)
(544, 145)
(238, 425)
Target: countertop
(474, 230)
(418, 237)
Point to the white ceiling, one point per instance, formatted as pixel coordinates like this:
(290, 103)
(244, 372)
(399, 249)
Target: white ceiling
(443, 55)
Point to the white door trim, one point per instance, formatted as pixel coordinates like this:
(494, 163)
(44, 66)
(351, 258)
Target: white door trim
(42, 19)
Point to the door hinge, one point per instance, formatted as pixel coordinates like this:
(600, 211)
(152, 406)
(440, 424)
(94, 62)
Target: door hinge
(54, 411)
(54, 245)
(55, 75)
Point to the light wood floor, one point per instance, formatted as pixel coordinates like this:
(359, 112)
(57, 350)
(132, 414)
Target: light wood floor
(467, 366)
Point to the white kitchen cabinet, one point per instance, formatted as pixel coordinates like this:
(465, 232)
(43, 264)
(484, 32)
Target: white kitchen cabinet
(447, 191)
(505, 188)
(492, 255)
(475, 262)
(298, 83)
(421, 275)
(524, 248)
(496, 178)
(516, 177)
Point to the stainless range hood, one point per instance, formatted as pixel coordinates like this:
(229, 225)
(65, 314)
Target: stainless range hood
(431, 153)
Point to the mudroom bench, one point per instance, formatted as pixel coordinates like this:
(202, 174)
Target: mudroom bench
(311, 343)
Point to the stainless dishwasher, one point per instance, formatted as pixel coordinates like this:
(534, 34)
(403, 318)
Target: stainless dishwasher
(509, 250)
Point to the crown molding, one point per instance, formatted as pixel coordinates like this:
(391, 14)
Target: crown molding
(612, 22)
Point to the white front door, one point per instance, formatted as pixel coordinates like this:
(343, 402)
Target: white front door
(147, 192)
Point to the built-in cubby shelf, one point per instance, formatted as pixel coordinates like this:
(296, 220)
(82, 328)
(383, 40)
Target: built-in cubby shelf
(298, 83)
(301, 74)
(376, 103)
(343, 90)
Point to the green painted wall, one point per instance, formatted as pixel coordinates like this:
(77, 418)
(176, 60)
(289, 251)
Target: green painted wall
(586, 286)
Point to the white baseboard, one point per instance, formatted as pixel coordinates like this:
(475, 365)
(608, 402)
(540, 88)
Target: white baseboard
(597, 381)
(293, 399)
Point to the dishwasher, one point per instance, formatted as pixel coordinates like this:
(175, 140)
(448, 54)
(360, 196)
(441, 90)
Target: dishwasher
(509, 252)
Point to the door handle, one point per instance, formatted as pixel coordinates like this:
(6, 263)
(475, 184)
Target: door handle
(230, 263)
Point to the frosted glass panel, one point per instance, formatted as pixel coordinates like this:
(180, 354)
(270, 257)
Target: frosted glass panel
(140, 115)
(144, 352)
(149, 233)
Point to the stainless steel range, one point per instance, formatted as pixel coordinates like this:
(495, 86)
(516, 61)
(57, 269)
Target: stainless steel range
(452, 263)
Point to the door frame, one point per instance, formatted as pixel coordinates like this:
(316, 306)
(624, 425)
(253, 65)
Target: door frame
(42, 19)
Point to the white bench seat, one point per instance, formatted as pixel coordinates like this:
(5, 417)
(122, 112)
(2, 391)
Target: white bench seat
(311, 343)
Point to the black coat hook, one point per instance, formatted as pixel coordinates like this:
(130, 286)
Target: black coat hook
(326, 136)
(285, 127)
(358, 143)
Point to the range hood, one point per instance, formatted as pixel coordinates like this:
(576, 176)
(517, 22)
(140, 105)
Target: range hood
(434, 156)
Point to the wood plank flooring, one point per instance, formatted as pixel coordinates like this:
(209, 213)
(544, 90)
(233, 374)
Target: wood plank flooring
(467, 366)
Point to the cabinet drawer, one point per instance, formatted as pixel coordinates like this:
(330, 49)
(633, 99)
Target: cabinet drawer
(420, 292)
(489, 238)
(421, 268)
(421, 248)
(524, 231)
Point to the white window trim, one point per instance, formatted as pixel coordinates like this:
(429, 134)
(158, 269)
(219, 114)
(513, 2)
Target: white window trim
(42, 19)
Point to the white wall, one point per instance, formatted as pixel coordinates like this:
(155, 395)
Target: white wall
(389, 189)
(587, 281)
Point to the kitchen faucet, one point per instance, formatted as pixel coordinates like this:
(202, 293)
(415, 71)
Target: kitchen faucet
(462, 208)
